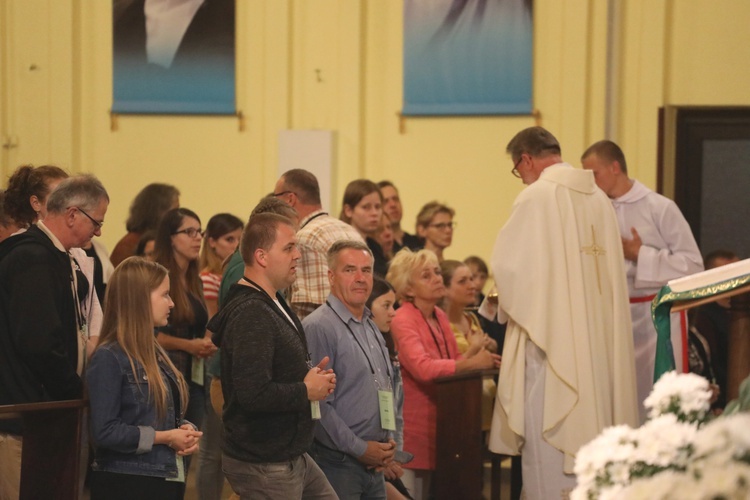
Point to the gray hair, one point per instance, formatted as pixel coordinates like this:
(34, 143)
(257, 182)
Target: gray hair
(341, 245)
(84, 191)
(533, 141)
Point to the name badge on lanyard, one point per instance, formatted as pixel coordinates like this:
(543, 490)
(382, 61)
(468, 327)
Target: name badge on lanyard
(180, 470)
(197, 371)
(315, 409)
(387, 415)
(385, 397)
(314, 405)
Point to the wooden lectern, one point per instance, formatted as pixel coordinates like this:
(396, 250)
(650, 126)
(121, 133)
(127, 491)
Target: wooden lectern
(51, 459)
(460, 447)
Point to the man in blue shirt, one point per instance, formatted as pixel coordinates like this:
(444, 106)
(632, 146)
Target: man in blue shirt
(353, 440)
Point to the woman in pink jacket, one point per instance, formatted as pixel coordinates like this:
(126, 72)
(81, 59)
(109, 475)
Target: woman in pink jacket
(427, 350)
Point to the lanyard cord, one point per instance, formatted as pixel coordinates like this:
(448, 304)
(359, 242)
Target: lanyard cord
(321, 214)
(434, 338)
(81, 333)
(80, 318)
(301, 335)
(372, 369)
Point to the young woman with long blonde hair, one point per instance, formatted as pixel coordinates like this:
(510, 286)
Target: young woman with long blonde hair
(138, 398)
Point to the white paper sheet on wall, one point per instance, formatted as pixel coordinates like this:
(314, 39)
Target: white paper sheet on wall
(313, 150)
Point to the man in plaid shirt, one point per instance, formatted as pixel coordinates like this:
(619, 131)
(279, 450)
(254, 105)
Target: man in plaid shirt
(317, 232)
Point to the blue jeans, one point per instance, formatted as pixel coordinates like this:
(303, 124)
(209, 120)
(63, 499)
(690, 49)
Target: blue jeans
(299, 478)
(349, 477)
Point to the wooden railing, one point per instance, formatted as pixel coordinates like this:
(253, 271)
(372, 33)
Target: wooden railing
(51, 458)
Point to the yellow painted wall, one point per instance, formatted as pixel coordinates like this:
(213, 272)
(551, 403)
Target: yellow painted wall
(336, 64)
(710, 53)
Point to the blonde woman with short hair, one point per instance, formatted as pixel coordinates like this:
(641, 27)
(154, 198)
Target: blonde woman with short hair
(427, 350)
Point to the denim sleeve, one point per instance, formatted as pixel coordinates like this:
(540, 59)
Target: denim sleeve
(108, 429)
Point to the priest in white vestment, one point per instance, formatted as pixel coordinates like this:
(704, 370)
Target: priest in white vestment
(568, 367)
(658, 246)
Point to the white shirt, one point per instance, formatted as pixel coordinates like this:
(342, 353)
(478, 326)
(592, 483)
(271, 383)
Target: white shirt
(669, 250)
(166, 24)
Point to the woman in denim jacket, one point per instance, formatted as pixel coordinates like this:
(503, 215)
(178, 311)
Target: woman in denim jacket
(137, 396)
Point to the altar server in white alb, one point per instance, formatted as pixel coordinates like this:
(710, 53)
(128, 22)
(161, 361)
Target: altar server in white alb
(568, 367)
(658, 246)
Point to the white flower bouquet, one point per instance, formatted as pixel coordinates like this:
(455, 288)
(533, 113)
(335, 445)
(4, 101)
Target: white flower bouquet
(676, 454)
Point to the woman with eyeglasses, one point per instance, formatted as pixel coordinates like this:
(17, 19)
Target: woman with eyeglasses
(435, 226)
(185, 338)
(137, 396)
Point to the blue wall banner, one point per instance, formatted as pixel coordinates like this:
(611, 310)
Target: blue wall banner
(467, 57)
(173, 57)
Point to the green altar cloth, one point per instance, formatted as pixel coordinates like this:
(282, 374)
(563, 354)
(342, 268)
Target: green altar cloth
(662, 305)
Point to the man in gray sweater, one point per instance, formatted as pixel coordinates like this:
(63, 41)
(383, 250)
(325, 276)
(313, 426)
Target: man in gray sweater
(271, 388)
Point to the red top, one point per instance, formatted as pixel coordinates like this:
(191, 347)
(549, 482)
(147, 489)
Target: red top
(425, 354)
(125, 248)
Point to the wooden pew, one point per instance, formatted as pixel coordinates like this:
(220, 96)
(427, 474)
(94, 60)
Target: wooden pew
(51, 458)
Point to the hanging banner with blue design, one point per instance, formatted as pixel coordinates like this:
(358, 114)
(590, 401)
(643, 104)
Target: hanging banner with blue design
(173, 57)
(467, 57)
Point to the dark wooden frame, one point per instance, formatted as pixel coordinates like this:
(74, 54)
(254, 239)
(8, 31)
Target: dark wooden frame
(695, 125)
(51, 456)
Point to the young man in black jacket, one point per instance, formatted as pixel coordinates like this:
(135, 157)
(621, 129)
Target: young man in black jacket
(271, 388)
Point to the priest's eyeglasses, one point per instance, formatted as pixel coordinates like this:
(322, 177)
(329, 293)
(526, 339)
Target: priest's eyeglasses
(515, 171)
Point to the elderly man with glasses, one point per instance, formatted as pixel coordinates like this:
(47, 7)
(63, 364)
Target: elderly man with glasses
(42, 327)
(568, 369)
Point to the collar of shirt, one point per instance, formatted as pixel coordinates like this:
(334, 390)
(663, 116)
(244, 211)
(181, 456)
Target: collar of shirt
(344, 312)
(636, 192)
(51, 236)
(167, 21)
